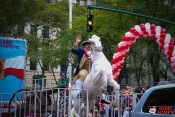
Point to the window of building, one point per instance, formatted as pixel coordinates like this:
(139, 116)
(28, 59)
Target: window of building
(45, 32)
(162, 100)
(33, 29)
(46, 66)
(50, 1)
(33, 65)
(20, 30)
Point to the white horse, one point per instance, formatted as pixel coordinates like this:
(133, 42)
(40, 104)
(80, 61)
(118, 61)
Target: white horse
(97, 80)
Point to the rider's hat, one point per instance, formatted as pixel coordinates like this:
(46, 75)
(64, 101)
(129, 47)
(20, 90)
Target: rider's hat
(85, 42)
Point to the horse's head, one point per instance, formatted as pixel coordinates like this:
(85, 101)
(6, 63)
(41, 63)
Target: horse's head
(96, 43)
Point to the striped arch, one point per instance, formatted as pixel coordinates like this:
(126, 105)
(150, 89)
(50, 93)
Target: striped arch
(143, 30)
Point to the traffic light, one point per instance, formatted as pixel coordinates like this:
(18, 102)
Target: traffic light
(89, 22)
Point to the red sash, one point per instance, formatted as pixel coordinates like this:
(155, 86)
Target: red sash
(87, 56)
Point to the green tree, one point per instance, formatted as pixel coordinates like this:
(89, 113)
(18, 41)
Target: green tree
(52, 18)
(55, 18)
(139, 56)
(110, 26)
(15, 13)
(159, 9)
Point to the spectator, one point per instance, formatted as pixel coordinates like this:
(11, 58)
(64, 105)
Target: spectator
(113, 112)
(137, 89)
(102, 109)
(96, 113)
(142, 90)
(127, 112)
(127, 94)
(127, 90)
(97, 103)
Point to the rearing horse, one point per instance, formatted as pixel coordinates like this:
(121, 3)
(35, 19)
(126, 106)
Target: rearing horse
(97, 80)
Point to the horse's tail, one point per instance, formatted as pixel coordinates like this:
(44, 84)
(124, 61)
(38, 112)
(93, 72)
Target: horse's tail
(74, 113)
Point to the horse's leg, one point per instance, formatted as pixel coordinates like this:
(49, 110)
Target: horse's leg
(113, 83)
(76, 110)
(74, 113)
(103, 88)
(116, 88)
(77, 88)
(96, 76)
(100, 76)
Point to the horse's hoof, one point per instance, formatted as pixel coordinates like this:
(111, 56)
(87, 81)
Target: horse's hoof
(83, 106)
(106, 102)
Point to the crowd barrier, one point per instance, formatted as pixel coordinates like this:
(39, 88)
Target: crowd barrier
(38, 99)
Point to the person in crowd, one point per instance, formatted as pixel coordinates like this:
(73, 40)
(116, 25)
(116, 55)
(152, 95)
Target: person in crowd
(96, 113)
(137, 89)
(113, 112)
(142, 90)
(102, 109)
(97, 103)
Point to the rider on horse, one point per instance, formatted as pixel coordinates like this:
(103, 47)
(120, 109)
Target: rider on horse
(85, 59)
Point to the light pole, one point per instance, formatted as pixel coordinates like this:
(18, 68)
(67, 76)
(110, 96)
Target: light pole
(70, 14)
(70, 60)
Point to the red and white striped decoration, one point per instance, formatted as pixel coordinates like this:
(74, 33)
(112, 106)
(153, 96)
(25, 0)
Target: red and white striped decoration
(143, 30)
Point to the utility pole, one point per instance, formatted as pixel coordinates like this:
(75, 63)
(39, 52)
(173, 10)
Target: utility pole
(70, 14)
(70, 62)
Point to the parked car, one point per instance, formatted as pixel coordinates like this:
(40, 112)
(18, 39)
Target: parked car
(158, 101)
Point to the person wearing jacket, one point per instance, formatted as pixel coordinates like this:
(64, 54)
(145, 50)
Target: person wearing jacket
(85, 59)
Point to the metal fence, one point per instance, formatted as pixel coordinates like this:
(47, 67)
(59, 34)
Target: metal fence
(125, 107)
(53, 102)
(30, 85)
(56, 102)
(4, 104)
(40, 100)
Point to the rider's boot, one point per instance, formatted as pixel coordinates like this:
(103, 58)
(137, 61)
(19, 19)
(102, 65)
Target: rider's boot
(79, 86)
